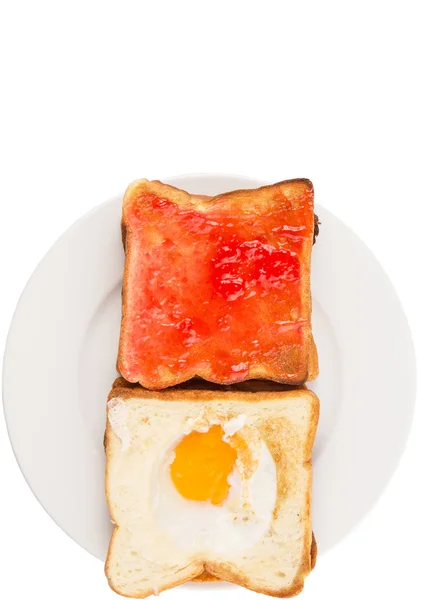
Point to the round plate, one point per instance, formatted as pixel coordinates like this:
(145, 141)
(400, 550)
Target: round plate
(63, 345)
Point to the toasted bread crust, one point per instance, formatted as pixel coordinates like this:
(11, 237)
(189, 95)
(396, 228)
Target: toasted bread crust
(204, 391)
(286, 357)
(199, 391)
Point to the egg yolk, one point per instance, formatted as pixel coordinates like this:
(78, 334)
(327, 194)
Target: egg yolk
(202, 464)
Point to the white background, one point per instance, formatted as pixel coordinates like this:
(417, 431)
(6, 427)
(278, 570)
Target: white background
(95, 94)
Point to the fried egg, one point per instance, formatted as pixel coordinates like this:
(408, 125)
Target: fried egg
(214, 487)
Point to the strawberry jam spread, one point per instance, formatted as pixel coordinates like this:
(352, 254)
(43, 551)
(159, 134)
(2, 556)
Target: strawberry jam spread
(216, 292)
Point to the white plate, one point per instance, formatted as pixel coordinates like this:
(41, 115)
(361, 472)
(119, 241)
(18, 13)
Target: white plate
(60, 363)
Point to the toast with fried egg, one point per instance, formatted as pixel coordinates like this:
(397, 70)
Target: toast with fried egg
(217, 287)
(210, 482)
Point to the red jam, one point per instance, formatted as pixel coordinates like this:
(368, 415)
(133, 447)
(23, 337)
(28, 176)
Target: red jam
(214, 294)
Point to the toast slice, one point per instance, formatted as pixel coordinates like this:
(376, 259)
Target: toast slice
(161, 538)
(217, 287)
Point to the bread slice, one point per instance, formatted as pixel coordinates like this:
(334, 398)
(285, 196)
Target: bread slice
(217, 287)
(152, 550)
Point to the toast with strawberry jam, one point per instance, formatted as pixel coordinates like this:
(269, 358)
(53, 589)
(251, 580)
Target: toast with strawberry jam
(217, 287)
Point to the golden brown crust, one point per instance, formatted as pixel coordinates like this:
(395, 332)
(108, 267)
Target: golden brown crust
(204, 391)
(314, 552)
(197, 383)
(121, 382)
(205, 577)
(181, 197)
(313, 368)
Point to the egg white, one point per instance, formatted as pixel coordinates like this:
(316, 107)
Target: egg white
(204, 527)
